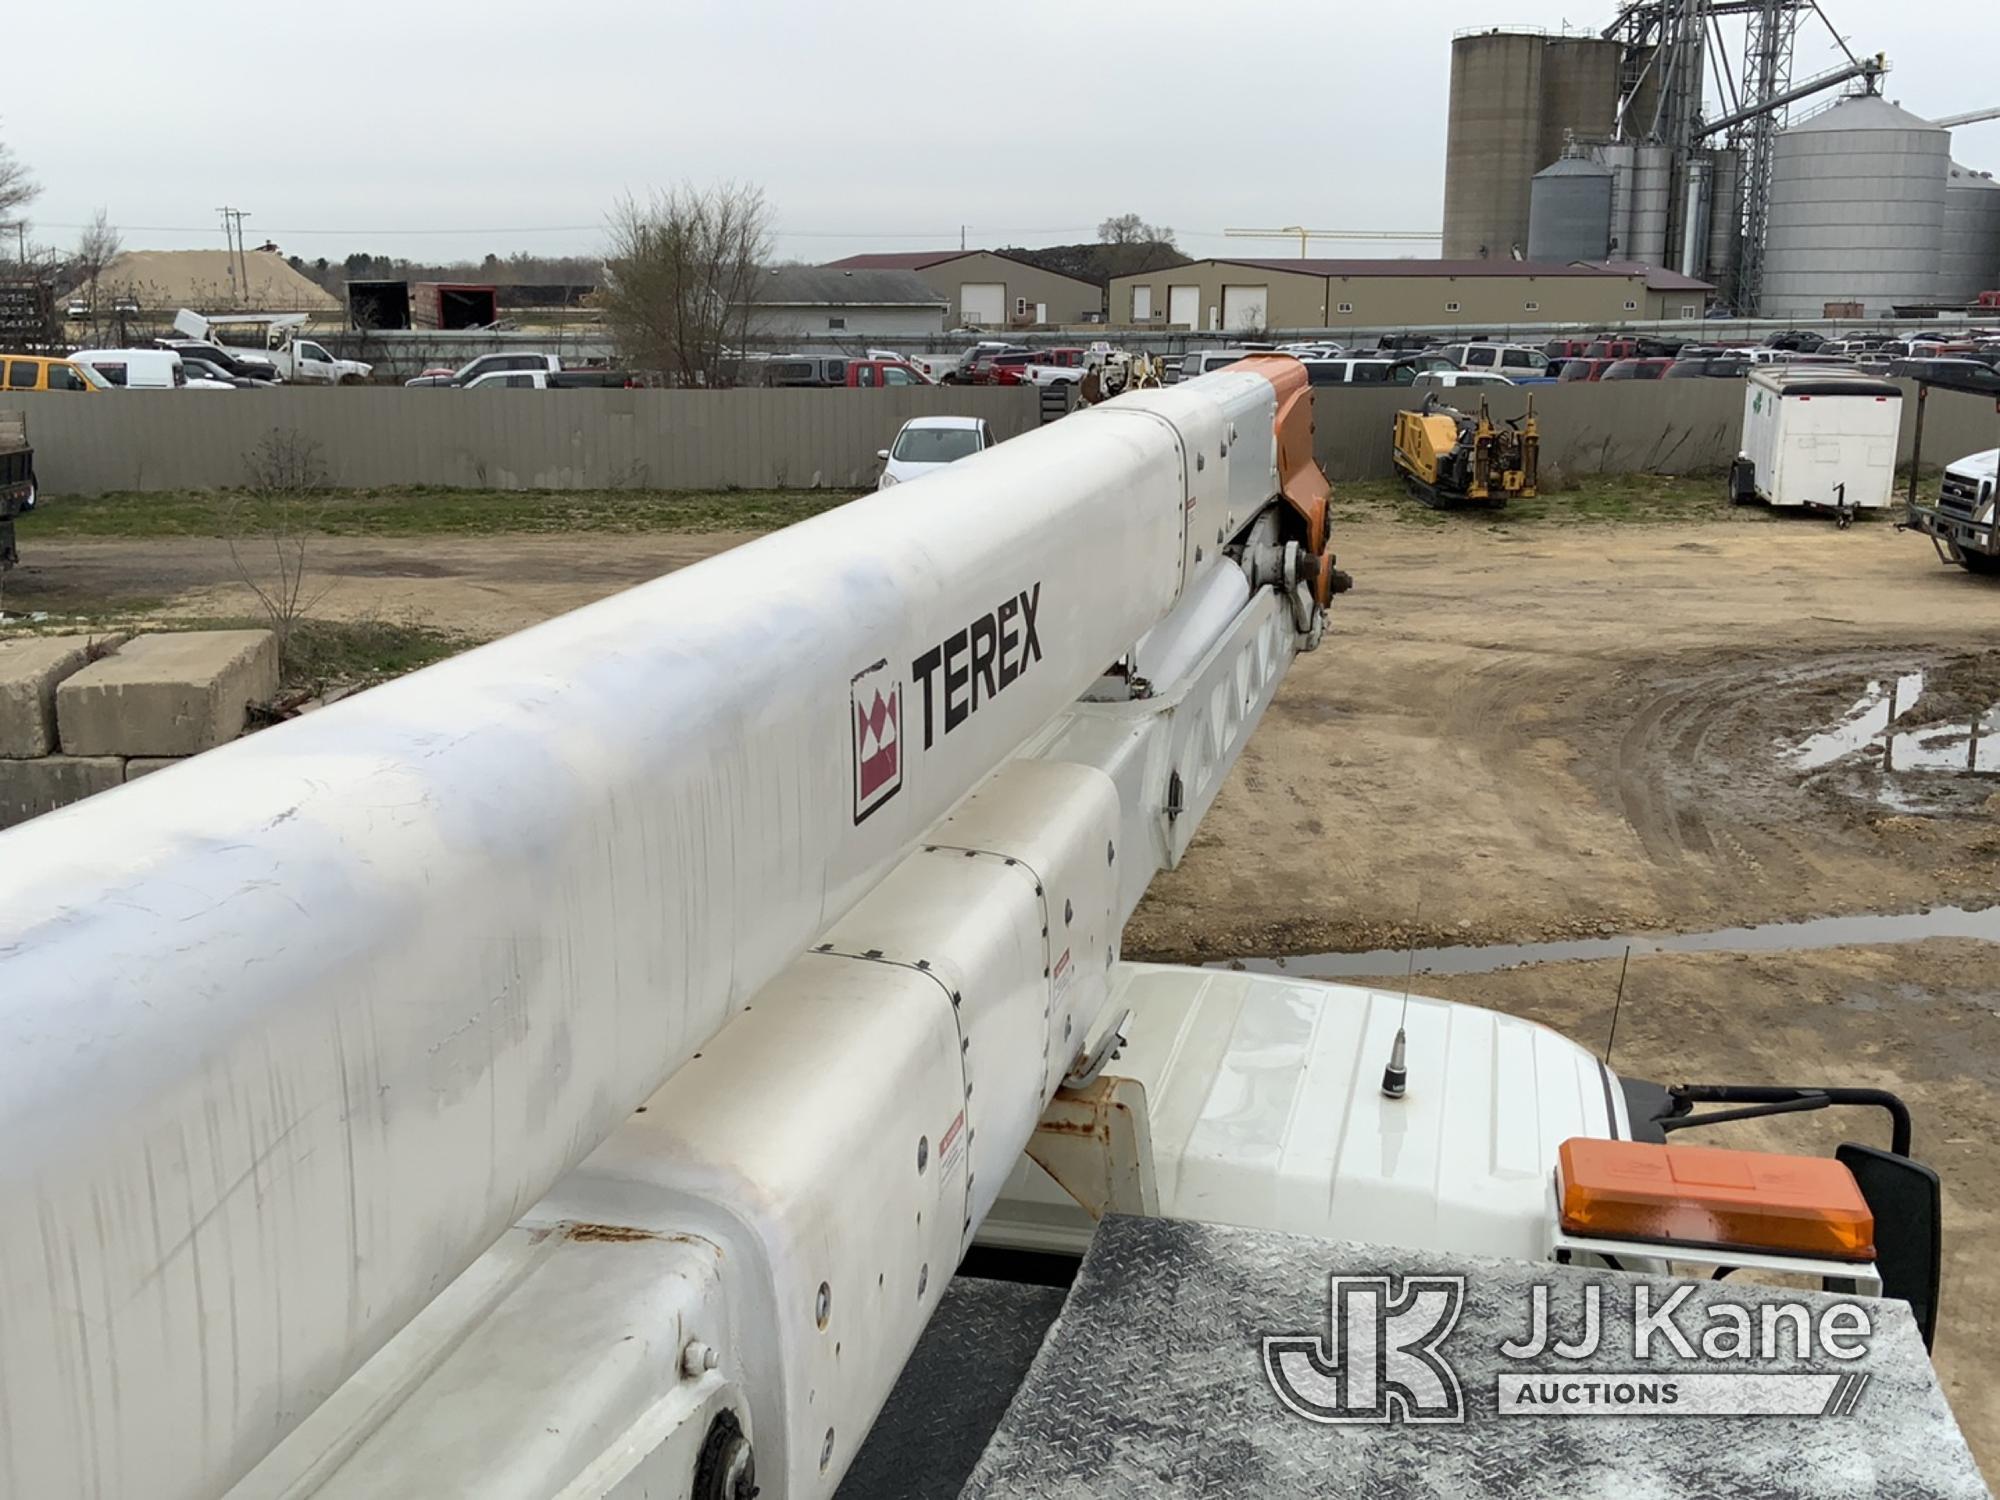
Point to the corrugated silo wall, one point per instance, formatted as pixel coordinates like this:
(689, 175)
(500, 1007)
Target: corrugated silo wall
(1857, 211)
(1492, 139)
(1970, 261)
(1579, 92)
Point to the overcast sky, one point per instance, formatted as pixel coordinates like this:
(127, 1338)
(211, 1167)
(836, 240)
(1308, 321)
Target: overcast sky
(445, 130)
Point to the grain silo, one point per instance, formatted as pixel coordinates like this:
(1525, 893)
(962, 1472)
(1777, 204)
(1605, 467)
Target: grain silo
(1970, 260)
(1569, 211)
(1856, 211)
(1492, 139)
(1725, 231)
(1579, 93)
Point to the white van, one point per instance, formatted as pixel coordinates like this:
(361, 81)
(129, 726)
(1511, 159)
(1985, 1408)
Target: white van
(143, 370)
(1818, 435)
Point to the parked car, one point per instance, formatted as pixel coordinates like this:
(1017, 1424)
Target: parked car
(1010, 368)
(1963, 374)
(1204, 360)
(1611, 349)
(872, 374)
(1584, 370)
(926, 444)
(487, 364)
(518, 380)
(143, 369)
(1635, 369)
(40, 372)
(1434, 380)
(1709, 366)
(1799, 340)
(197, 367)
(972, 370)
(933, 367)
(1561, 350)
(593, 378)
(238, 364)
(796, 370)
(1506, 358)
(1376, 371)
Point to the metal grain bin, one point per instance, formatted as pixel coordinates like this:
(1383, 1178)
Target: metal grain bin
(1856, 211)
(1970, 259)
(1569, 211)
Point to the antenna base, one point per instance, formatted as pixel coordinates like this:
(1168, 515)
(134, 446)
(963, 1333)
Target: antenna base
(1396, 1077)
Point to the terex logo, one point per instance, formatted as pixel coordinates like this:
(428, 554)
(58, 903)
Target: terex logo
(875, 721)
(978, 663)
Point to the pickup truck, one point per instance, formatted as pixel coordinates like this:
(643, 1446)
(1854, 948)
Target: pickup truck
(294, 357)
(874, 373)
(1046, 367)
(933, 367)
(489, 364)
(17, 480)
(1962, 523)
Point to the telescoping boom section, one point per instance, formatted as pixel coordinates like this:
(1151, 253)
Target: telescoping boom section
(293, 1032)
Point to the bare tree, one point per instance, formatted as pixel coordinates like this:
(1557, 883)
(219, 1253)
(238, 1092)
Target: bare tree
(680, 277)
(1130, 229)
(96, 247)
(17, 188)
(285, 471)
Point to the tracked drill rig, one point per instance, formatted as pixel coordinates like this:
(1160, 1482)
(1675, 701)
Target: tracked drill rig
(1450, 457)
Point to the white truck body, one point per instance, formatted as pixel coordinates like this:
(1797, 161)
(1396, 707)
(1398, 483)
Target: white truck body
(1820, 436)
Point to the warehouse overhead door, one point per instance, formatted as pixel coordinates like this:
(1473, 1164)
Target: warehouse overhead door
(1245, 307)
(983, 303)
(1184, 306)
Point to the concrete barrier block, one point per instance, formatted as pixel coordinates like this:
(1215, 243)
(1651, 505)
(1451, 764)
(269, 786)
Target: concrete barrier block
(146, 765)
(29, 788)
(30, 669)
(174, 694)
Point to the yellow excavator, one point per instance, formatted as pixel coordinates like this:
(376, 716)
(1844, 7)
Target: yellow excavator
(1449, 457)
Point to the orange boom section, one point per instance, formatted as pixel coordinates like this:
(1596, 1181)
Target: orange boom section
(1300, 481)
(1706, 1195)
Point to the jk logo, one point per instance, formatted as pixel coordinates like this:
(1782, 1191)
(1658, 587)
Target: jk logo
(1379, 1361)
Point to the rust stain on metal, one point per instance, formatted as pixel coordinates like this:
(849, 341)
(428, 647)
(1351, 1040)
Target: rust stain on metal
(1081, 1112)
(603, 1234)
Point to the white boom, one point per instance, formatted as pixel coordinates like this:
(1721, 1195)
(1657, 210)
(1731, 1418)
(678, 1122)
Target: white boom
(290, 1034)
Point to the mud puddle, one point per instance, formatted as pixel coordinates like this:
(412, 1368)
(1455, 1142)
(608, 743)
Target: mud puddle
(1881, 704)
(1766, 937)
(1899, 728)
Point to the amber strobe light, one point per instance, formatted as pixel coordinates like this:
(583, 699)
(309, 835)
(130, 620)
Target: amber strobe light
(1704, 1195)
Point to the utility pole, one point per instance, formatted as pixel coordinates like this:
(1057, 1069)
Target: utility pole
(232, 235)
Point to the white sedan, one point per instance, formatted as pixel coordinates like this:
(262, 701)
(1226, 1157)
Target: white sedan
(928, 443)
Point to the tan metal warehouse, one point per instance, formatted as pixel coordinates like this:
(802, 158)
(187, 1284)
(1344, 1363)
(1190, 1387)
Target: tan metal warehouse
(990, 290)
(1235, 296)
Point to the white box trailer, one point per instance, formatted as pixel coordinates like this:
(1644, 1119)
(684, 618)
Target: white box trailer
(1817, 435)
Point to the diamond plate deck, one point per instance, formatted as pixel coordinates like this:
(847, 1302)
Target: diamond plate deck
(1151, 1384)
(953, 1392)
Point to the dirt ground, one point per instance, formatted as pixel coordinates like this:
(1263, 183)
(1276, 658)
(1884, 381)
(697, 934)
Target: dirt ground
(1518, 733)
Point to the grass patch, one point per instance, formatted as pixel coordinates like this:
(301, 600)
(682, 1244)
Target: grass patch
(323, 652)
(429, 512)
(1642, 499)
